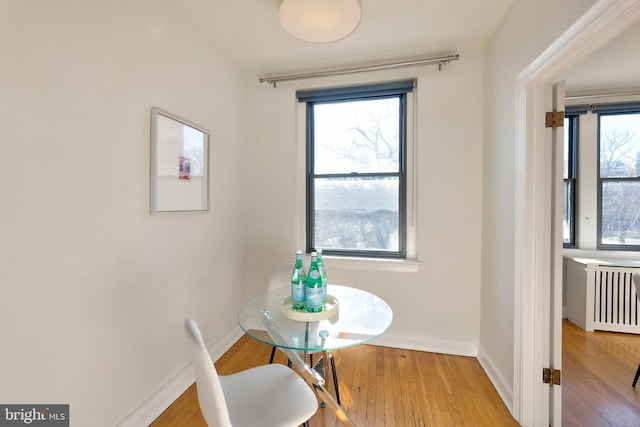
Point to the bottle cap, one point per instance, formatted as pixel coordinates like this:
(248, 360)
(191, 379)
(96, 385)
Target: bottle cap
(299, 252)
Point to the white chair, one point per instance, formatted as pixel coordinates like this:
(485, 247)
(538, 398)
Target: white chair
(271, 395)
(636, 283)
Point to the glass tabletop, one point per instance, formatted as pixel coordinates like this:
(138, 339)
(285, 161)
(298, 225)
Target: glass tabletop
(360, 317)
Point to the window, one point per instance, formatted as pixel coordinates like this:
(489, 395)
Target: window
(570, 181)
(608, 194)
(356, 169)
(619, 180)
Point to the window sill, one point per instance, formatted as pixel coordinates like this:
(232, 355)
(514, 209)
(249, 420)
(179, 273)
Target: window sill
(373, 264)
(601, 254)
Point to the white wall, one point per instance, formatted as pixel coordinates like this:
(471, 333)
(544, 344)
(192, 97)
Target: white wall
(436, 308)
(94, 289)
(528, 28)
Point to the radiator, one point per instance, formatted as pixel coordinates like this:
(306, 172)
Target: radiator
(608, 295)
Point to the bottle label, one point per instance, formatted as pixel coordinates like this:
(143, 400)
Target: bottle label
(314, 297)
(297, 292)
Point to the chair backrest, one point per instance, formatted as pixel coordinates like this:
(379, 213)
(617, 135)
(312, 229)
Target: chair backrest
(210, 393)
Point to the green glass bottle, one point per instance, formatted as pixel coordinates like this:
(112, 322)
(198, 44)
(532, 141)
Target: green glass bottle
(314, 286)
(298, 283)
(323, 275)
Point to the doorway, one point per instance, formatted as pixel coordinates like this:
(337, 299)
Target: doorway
(605, 21)
(608, 75)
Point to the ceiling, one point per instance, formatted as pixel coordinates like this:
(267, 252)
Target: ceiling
(249, 33)
(615, 67)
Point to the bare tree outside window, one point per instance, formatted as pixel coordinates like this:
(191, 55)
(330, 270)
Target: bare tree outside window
(357, 136)
(619, 177)
(357, 163)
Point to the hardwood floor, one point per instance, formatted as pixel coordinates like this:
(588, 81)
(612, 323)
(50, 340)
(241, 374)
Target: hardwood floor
(379, 386)
(382, 386)
(598, 369)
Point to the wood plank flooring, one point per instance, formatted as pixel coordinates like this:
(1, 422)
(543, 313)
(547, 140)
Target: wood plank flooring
(382, 386)
(598, 369)
(379, 386)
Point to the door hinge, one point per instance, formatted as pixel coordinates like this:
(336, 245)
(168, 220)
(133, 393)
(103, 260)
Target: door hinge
(551, 376)
(554, 119)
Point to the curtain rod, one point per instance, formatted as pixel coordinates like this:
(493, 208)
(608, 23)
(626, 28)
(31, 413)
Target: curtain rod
(440, 61)
(602, 95)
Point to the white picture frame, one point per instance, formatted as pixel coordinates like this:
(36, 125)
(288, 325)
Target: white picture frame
(179, 164)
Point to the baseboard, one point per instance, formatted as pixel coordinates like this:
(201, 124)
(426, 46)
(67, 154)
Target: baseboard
(504, 389)
(162, 398)
(432, 345)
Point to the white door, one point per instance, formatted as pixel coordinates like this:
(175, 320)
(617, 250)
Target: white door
(555, 292)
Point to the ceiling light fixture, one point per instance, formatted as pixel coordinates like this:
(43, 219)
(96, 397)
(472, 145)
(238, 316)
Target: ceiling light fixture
(320, 21)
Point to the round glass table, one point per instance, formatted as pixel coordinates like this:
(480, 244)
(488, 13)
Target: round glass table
(360, 317)
(353, 317)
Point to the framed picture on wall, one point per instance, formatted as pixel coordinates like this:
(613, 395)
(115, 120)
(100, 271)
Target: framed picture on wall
(179, 164)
